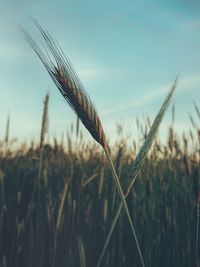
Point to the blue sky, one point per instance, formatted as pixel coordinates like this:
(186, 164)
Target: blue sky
(126, 53)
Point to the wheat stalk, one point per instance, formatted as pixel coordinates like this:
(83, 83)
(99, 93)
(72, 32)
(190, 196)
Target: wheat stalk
(68, 83)
(7, 130)
(137, 164)
(45, 121)
(44, 129)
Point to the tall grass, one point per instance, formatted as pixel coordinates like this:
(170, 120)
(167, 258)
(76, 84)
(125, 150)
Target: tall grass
(77, 208)
(137, 163)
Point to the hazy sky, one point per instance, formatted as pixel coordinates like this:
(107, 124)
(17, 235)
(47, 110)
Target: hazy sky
(126, 53)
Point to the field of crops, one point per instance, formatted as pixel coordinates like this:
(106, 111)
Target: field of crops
(58, 201)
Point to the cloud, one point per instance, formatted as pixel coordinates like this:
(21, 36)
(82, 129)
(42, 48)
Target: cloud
(185, 84)
(87, 73)
(8, 50)
(90, 71)
(139, 102)
(188, 83)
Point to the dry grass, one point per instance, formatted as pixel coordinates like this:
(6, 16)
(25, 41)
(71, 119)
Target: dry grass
(76, 207)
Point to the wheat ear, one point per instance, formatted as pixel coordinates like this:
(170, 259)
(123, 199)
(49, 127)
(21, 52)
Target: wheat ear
(137, 164)
(7, 130)
(45, 121)
(68, 83)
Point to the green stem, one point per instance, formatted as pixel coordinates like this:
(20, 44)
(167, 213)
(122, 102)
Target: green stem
(123, 204)
(114, 224)
(197, 236)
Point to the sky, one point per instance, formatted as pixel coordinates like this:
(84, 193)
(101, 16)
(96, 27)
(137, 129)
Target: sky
(126, 53)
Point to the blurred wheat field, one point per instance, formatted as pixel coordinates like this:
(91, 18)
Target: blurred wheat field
(57, 211)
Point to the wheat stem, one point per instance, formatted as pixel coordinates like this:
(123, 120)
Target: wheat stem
(124, 204)
(137, 164)
(197, 235)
